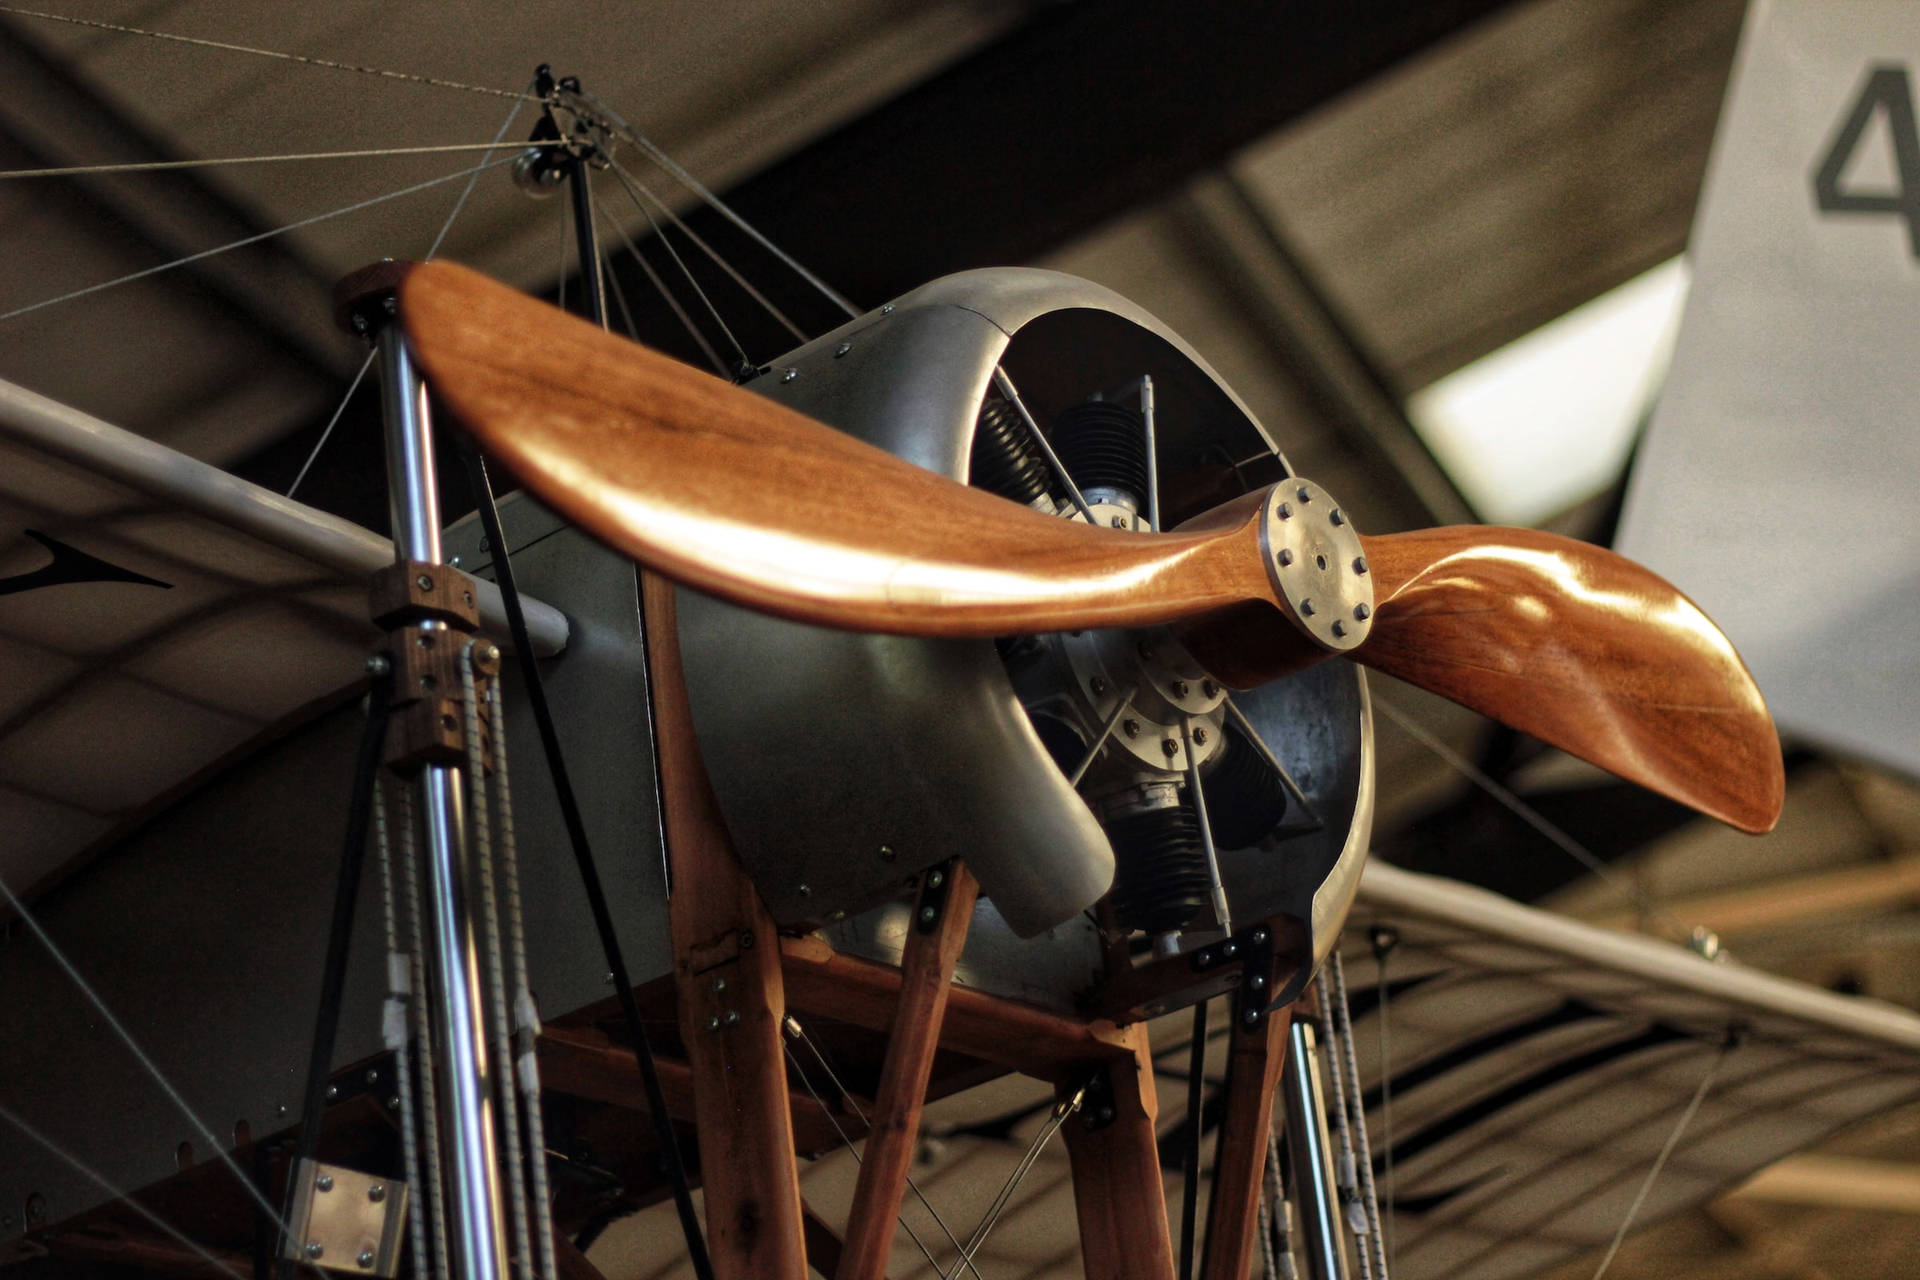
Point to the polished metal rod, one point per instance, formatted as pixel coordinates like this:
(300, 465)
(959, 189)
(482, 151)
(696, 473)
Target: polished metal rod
(1312, 1158)
(454, 957)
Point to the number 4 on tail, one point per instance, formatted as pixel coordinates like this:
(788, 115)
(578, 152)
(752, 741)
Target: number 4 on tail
(1886, 90)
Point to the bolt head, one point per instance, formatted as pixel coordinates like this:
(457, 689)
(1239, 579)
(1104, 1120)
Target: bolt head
(887, 309)
(324, 1182)
(1200, 736)
(1337, 517)
(1284, 511)
(1306, 607)
(1209, 688)
(842, 349)
(1362, 612)
(1283, 557)
(733, 1018)
(366, 1258)
(1099, 685)
(804, 890)
(713, 1023)
(379, 665)
(719, 984)
(1229, 949)
(377, 1192)
(423, 582)
(1256, 982)
(935, 879)
(1130, 727)
(1169, 747)
(315, 1249)
(789, 375)
(1360, 564)
(373, 1077)
(333, 1092)
(887, 854)
(1179, 688)
(1304, 494)
(928, 915)
(1251, 1017)
(1339, 627)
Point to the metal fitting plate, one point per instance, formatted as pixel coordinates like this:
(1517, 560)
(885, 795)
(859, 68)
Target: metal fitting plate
(346, 1220)
(1315, 562)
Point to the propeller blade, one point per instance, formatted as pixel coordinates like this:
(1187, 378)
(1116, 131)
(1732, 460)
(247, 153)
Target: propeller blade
(1583, 649)
(735, 495)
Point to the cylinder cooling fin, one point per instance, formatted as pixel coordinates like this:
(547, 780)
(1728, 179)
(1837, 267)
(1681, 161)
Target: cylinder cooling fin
(1160, 880)
(1104, 448)
(1245, 798)
(1004, 459)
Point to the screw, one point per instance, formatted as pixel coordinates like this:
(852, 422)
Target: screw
(1336, 517)
(1251, 1017)
(1284, 556)
(1169, 746)
(887, 310)
(324, 1182)
(1200, 736)
(887, 854)
(713, 1023)
(279, 1108)
(455, 562)
(314, 1249)
(608, 979)
(377, 1192)
(1339, 627)
(1131, 728)
(1286, 511)
(935, 879)
(1118, 522)
(489, 653)
(366, 1258)
(379, 665)
(423, 582)
(333, 1092)
(1099, 685)
(842, 349)
(393, 1103)
(1256, 982)
(733, 1018)
(373, 1077)
(1209, 688)
(1306, 608)
(804, 890)
(1361, 612)
(1229, 949)
(719, 984)
(1179, 688)
(359, 323)
(1259, 935)
(789, 375)
(928, 915)
(1360, 564)
(1305, 495)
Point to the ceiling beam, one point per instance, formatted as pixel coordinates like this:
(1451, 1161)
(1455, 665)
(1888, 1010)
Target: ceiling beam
(1837, 1182)
(1851, 891)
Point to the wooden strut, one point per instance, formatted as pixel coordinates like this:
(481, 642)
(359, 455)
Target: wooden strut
(1254, 1060)
(1118, 1194)
(732, 997)
(943, 909)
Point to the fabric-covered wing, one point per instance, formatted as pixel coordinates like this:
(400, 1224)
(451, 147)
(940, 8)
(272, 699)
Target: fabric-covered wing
(1538, 1065)
(157, 616)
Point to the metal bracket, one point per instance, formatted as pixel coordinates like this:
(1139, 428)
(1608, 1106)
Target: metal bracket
(1096, 1102)
(933, 897)
(346, 1220)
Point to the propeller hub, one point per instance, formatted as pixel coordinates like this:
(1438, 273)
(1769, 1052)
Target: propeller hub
(1314, 559)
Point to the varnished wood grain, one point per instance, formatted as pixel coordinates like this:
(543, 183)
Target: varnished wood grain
(1583, 649)
(926, 977)
(1118, 1194)
(726, 491)
(993, 1028)
(1254, 1061)
(727, 968)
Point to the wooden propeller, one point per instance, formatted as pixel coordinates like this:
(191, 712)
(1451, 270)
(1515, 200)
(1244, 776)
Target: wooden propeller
(732, 494)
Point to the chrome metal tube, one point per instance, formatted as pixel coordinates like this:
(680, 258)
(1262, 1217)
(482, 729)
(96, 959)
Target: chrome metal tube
(453, 963)
(1312, 1157)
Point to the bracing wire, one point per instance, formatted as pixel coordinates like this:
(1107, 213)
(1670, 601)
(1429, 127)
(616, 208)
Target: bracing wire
(304, 59)
(473, 178)
(152, 1068)
(212, 162)
(1666, 1150)
(685, 271)
(151, 1218)
(355, 207)
(1527, 814)
(660, 287)
(713, 255)
(687, 180)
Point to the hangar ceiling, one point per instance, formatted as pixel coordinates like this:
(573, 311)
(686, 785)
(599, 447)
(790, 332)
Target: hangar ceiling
(1336, 203)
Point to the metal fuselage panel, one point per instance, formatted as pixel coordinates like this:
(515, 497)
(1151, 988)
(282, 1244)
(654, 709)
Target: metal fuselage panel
(846, 763)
